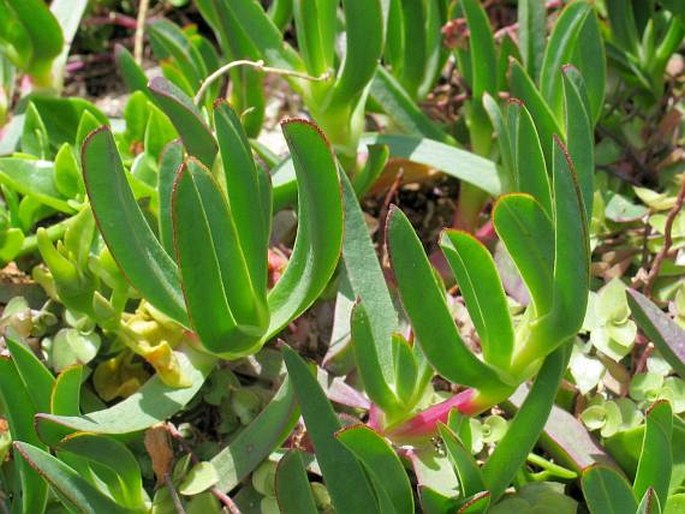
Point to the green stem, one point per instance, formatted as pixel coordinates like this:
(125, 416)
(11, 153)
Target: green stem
(54, 233)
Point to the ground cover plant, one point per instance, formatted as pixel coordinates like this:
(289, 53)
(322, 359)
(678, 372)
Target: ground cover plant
(342, 256)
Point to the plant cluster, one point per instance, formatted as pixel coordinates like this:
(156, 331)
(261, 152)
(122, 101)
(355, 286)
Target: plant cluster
(203, 324)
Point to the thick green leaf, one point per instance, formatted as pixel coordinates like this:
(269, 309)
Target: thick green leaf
(341, 470)
(201, 477)
(590, 58)
(571, 247)
(61, 116)
(505, 142)
(66, 393)
(262, 33)
(623, 27)
(424, 302)
(216, 284)
(375, 317)
(36, 378)
(523, 88)
(532, 174)
(450, 160)
(531, 32)
(31, 491)
(650, 503)
(528, 235)
(363, 48)
(71, 488)
(481, 287)
(483, 55)
(153, 402)
(262, 436)
(374, 359)
(250, 207)
(562, 44)
(374, 166)
(607, 492)
(476, 504)
(195, 133)
(316, 30)
(666, 335)
(128, 236)
(656, 461)
(525, 429)
(470, 478)
(387, 92)
(293, 491)
(45, 34)
(170, 161)
(111, 461)
(319, 235)
(382, 464)
(133, 75)
(169, 41)
(33, 178)
(579, 135)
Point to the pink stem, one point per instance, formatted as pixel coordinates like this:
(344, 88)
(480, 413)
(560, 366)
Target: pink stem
(113, 18)
(425, 423)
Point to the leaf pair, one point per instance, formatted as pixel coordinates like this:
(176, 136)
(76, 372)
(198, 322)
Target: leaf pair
(214, 280)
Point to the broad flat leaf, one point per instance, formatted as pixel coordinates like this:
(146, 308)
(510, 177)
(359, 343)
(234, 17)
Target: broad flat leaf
(320, 223)
(655, 465)
(71, 488)
(468, 472)
(481, 287)
(525, 429)
(216, 284)
(262, 436)
(293, 492)
(250, 207)
(607, 492)
(33, 178)
(153, 402)
(528, 235)
(424, 302)
(31, 490)
(383, 466)
(195, 133)
(110, 460)
(168, 41)
(666, 335)
(387, 92)
(342, 472)
(128, 236)
(531, 18)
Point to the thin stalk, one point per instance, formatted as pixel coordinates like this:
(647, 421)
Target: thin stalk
(258, 65)
(140, 32)
(54, 232)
